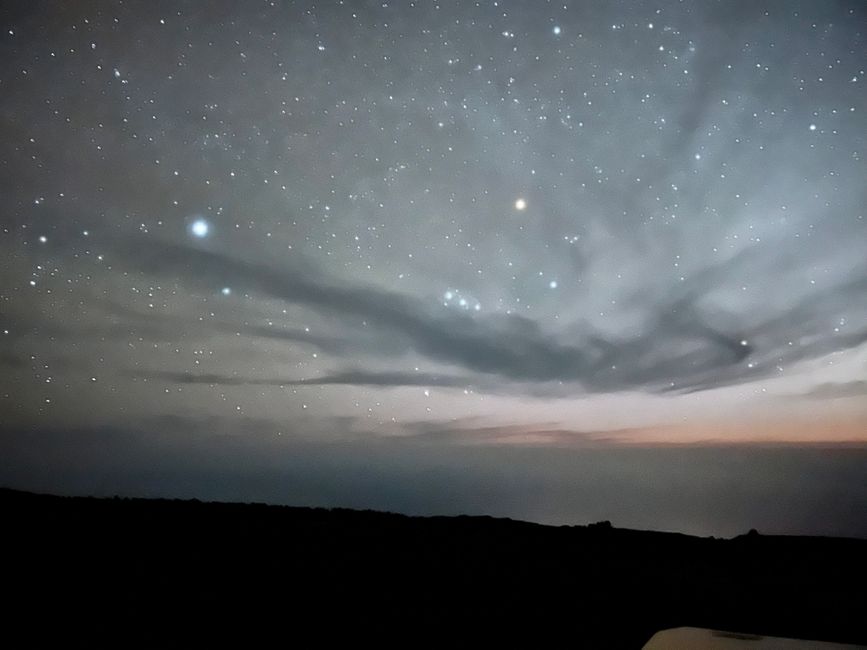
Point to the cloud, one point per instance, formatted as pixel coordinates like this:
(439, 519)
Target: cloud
(837, 390)
(381, 379)
(678, 347)
(475, 431)
(346, 377)
(331, 344)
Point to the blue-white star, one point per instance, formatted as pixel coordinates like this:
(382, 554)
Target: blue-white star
(200, 228)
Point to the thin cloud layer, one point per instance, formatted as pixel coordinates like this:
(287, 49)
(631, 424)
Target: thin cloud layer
(678, 349)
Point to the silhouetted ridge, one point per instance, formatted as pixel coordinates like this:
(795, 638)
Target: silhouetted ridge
(169, 573)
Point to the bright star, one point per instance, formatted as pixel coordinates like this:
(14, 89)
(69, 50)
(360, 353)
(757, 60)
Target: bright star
(520, 204)
(226, 291)
(200, 228)
(552, 284)
(556, 30)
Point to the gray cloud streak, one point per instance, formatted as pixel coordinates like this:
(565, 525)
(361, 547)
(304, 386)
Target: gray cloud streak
(346, 377)
(678, 348)
(837, 390)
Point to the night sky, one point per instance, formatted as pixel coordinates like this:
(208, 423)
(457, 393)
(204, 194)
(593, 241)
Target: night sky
(558, 261)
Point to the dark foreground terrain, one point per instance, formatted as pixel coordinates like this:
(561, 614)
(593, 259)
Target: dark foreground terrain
(131, 573)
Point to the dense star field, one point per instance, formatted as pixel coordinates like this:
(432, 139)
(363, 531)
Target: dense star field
(561, 261)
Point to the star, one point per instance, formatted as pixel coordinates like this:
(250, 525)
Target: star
(520, 204)
(200, 228)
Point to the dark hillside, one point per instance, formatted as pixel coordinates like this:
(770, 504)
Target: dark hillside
(130, 572)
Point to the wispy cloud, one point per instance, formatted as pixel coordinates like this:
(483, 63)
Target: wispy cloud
(837, 390)
(679, 347)
(347, 377)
